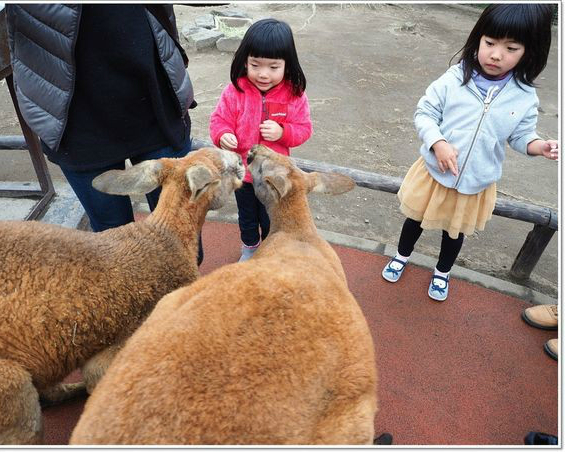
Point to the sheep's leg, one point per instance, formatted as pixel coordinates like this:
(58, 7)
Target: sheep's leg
(348, 423)
(95, 368)
(60, 393)
(20, 413)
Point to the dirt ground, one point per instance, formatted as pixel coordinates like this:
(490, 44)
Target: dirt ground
(366, 67)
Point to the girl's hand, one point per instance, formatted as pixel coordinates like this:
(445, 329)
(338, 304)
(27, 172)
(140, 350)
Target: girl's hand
(228, 141)
(446, 156)
(270, 130)
(550, 149)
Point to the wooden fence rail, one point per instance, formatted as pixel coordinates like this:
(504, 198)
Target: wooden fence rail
(543, 216)
(545, 220)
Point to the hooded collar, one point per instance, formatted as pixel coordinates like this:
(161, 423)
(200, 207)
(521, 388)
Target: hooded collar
(457, 71)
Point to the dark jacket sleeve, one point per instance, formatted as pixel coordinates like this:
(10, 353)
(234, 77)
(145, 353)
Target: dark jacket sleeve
(165, 14)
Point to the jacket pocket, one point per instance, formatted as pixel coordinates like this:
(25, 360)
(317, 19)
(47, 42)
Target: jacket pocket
(482, 166)
(461, 140)
(476, 161)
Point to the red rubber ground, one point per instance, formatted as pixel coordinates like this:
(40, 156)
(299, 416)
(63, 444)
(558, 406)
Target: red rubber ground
(468, 371)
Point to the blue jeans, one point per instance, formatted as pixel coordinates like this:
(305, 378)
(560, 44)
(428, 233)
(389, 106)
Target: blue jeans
(109, 211)
(252, 215)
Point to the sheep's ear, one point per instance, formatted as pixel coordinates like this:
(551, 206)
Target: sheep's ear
(330, 183)
(136, 180)
(200, 179)
(279, 183)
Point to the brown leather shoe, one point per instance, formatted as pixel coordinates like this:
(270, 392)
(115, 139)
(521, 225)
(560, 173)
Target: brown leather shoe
(551, 347)
(543, 316)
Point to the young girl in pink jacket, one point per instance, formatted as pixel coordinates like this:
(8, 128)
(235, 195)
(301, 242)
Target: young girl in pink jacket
(264, 104)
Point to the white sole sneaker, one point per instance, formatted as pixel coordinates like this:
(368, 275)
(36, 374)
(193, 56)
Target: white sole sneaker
(247, 253)
(436, 292)
(390, 274)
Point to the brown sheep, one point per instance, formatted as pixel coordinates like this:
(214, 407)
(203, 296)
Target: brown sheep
(70, 296)
(274, 350)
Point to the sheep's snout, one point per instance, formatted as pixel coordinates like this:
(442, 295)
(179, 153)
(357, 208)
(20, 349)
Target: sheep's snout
(232, 163)
(240, 169)
(254, 151)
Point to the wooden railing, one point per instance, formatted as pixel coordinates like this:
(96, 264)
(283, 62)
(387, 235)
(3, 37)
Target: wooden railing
(544, 219)
(31, 142)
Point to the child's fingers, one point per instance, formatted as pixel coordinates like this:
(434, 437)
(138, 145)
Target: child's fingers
(440, 165)
(227, 143)
(452, 167)
(454, 161)
(550, 150)
(229, 140)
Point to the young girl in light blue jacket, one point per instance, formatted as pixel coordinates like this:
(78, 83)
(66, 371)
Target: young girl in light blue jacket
(464, 121)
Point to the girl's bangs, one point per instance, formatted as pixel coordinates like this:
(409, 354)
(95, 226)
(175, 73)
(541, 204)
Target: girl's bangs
(510, 26)
(270, 46)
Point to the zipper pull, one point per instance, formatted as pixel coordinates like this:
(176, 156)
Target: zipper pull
(490, 95)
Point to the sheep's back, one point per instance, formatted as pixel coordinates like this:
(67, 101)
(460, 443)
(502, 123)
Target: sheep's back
(252, 353)
(68, 294)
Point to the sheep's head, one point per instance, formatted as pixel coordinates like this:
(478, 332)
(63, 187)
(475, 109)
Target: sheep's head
(231, 171)
(208, 172)
(275, 176)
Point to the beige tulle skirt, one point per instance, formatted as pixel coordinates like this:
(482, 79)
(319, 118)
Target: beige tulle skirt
(424, 199)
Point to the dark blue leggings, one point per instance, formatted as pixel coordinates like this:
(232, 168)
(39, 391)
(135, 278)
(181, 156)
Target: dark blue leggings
(109, 211)
(450, 248)
(252, 215)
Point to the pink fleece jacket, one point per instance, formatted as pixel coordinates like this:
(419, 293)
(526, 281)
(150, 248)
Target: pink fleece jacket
(241, 113)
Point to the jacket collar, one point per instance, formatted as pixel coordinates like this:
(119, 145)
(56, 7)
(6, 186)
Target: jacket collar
(457, 71)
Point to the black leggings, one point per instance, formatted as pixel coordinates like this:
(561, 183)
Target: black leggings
(450, 248)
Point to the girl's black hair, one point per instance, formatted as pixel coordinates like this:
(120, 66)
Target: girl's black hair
(269, 38)
(527, 24)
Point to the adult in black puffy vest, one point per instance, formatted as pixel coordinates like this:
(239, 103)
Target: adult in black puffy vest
(99, 84)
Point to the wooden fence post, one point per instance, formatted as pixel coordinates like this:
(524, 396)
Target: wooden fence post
(532, 249)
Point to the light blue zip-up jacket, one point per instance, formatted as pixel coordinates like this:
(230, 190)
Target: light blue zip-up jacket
(477, 127)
